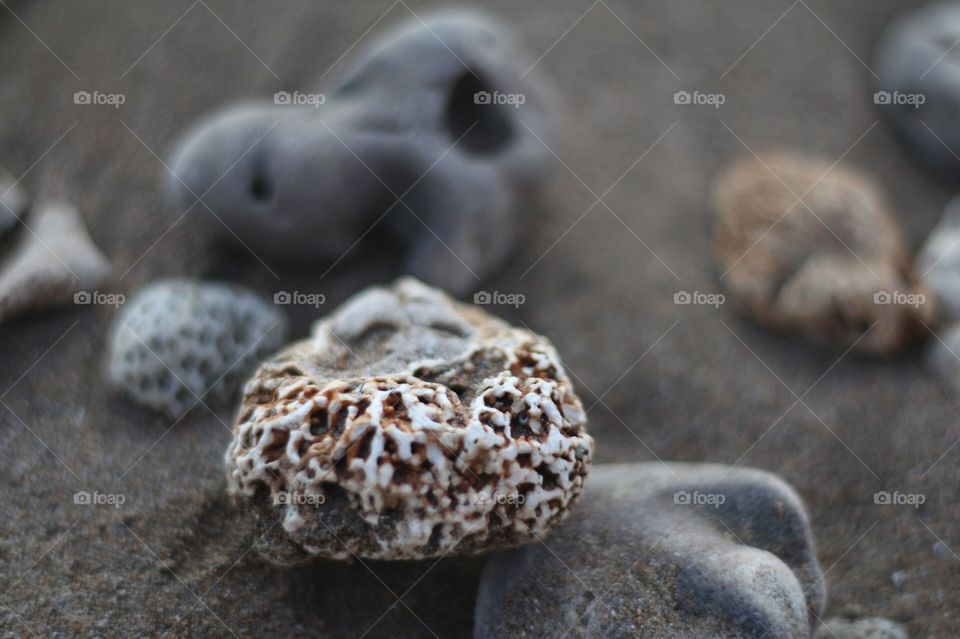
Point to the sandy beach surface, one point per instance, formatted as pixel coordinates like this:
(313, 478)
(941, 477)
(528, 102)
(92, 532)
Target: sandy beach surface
(664, 381)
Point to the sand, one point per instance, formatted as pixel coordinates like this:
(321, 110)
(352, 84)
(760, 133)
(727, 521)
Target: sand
(686, 383)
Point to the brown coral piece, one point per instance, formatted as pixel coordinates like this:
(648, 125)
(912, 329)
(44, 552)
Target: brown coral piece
(408, 426)
(806, 246)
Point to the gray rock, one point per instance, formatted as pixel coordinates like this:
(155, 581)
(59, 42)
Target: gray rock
(918, 90)
(50, 263)
(436, 113)
(13, 202)
(663, 550)
(178, 341)
(871, 628)
(938, 261)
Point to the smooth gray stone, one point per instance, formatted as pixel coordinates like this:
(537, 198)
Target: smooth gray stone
(938, 261)
(13, 202)
(305, 183)
(640, 557)
(917, 57)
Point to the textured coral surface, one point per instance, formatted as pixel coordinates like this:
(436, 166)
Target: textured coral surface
(409, 426)
(179, 342)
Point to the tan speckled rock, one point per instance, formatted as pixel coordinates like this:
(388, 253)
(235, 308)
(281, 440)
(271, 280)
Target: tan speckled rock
(830, 267)
(408, 426)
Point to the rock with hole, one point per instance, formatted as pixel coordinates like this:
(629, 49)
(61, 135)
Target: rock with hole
(178, 342)
(663, 550)
(439, 112)
(408, 426)
(805, 246)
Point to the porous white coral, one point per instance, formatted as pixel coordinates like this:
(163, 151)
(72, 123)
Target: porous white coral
(177, 341)
(408, 426)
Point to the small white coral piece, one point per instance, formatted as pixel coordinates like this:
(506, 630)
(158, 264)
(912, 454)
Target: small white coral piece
(178, 341)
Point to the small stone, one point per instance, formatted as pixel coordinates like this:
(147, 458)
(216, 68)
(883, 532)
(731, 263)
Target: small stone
(899, 578)
(179, 341)
(870, 628)
(667, 551)
(434, 111)
(918, 86)
(50, 262)
(408, 426)
(830, 267)
(938, 261)
(940, 549)
(13, 202)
